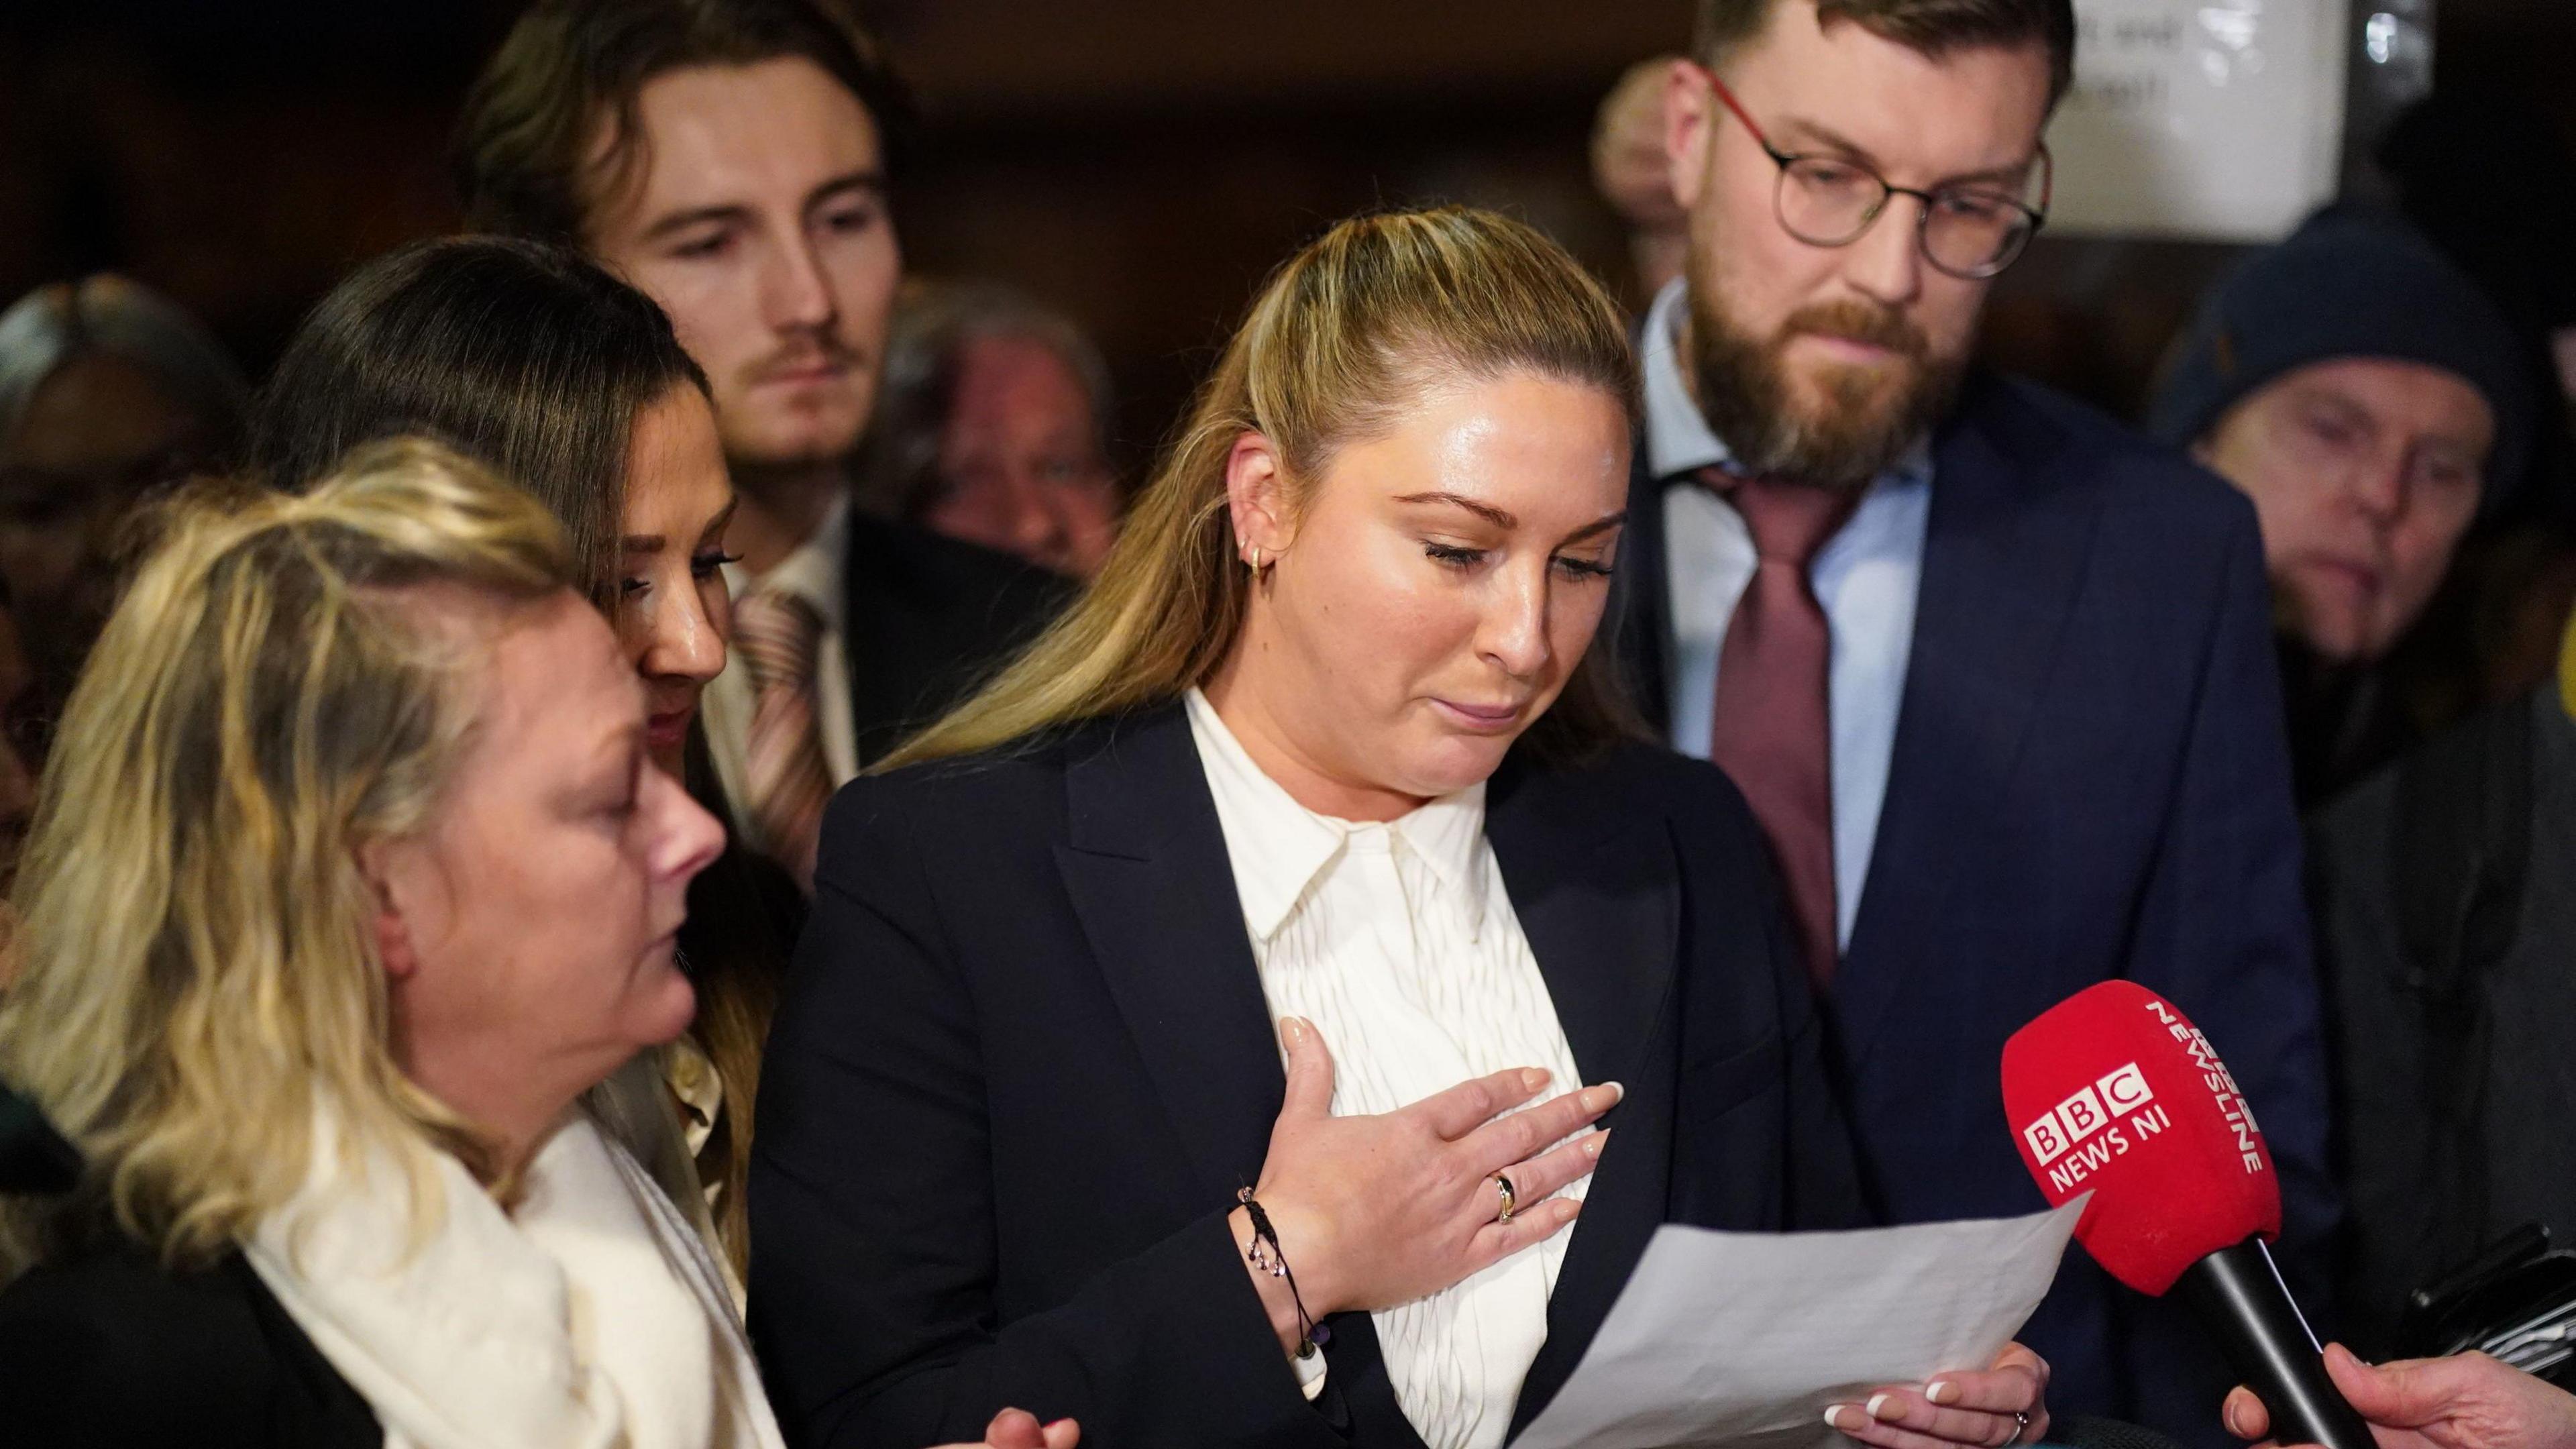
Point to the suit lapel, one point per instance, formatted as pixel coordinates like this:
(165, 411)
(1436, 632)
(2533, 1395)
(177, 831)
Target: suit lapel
(1598, 894)
(1147, 870)
(2004, 555)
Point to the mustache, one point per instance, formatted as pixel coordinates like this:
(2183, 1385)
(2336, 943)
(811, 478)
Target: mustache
(812, 350)
(1855, 321)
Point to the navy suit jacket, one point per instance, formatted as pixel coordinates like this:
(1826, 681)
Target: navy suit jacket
(2090, 782)
(1024, 1061)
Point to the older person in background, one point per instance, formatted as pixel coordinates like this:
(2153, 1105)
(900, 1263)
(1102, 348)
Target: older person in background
(2372, 402)
(107, 390)
(993, 427)
(394, 882)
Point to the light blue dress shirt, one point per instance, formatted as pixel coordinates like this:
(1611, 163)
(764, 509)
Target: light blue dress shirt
(1866, 576)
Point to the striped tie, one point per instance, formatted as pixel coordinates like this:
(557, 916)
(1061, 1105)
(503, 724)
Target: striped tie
(776, 633)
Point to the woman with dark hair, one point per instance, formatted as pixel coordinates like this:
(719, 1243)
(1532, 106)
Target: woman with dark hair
(1319, 765)
(569, 384)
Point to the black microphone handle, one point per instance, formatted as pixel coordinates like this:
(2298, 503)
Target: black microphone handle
(2240, 1300)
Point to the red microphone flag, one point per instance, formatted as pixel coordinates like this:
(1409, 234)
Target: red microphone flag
(2113, 1092)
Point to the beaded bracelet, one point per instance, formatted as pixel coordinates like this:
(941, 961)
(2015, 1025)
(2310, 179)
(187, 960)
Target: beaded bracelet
(1265, 1255)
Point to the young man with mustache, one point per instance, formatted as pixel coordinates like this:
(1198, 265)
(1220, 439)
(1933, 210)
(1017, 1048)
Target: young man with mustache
(735, 161)
(1995, 675)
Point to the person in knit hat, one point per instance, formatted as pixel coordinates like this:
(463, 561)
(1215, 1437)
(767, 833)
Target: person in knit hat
(2372, 403)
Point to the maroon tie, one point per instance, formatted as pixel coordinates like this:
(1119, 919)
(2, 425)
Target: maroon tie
(1772, 731)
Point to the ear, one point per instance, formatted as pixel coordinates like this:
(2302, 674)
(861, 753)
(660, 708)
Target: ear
(395, 949)
(1690, 127)
(1256, 495)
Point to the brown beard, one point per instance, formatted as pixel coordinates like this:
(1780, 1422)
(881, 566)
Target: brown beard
(1867, 422)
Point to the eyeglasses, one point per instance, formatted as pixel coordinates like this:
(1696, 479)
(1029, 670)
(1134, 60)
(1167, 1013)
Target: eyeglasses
(1968, 232)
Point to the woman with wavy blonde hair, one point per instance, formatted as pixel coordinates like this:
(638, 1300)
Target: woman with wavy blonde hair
(351, 874)
(1319, 760)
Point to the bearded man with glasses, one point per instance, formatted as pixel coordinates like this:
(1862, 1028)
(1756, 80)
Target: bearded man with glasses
(1995, 674)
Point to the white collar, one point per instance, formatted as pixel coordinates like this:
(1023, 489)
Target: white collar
(1278, 847)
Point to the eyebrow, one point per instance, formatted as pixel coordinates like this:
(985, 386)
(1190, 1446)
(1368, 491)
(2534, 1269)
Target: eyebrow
(1598, 525)
(1501, 519)
(1835, 140)
(655, 543)
(872, 181)
(1486, 511)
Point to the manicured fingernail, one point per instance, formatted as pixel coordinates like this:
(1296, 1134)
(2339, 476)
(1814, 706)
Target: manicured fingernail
(1830, 1421)
(1604, 1097)
(1532, 1078)
(1294, 1030)
(1941, 1391)
(1592, 1144)
(1876, 1408)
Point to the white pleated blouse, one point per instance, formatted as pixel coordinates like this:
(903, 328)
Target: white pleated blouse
(1398, 942)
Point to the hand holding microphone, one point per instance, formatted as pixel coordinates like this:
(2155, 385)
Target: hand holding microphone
(2114, 1092)
(2467, 1401)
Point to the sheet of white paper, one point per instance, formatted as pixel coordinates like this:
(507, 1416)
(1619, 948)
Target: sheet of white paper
(1742, 1339)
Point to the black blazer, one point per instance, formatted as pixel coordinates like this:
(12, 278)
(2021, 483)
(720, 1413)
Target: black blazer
(925, 619)
(108, 1350)
(1025, 1061)
(2089, 782)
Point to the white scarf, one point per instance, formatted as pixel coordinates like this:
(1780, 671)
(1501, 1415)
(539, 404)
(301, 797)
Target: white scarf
(592, 1317)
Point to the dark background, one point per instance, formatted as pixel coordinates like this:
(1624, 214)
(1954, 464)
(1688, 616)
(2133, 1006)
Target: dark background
(1140, 162)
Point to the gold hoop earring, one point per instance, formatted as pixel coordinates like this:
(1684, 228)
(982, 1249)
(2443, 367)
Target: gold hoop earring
(1254, 559)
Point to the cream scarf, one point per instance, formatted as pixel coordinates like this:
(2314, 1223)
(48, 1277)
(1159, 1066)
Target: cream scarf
(591, 1317)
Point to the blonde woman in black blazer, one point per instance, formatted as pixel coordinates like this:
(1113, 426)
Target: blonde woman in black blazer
(1029, 1063)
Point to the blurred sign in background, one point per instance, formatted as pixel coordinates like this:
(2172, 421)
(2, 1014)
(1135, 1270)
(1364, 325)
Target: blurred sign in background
(2221, 120)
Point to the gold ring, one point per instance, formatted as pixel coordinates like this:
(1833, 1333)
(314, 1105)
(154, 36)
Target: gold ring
(1511, 1199)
